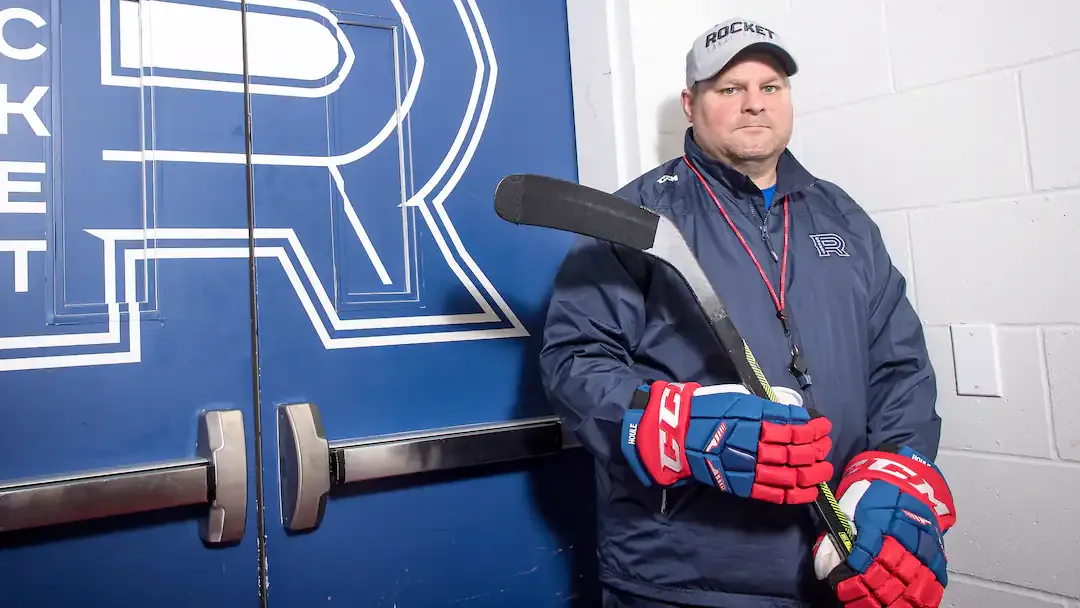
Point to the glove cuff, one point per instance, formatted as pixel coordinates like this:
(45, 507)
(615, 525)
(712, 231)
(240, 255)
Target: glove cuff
(909, 472)
(654, 432)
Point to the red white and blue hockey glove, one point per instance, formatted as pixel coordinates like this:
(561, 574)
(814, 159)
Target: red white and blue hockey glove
(674, 434)
(900, 508)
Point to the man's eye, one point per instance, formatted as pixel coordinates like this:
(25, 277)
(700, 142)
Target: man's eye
(770, 88)
(729, 91)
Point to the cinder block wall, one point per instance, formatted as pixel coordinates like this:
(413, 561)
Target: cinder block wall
(956, 123)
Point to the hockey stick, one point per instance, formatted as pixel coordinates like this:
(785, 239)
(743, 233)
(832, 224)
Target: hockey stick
(537, 200)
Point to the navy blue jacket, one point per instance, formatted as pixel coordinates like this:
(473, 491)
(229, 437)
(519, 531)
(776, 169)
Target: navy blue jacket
(618, 320)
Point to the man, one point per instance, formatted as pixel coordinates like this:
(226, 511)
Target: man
(703, 489)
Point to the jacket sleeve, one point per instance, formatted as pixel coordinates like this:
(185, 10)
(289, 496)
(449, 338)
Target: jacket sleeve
(595, 318)
(903, 387)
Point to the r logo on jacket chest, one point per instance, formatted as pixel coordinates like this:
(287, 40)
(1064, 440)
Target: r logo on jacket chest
(828, 244)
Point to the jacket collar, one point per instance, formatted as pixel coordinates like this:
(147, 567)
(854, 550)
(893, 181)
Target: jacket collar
(791, 176)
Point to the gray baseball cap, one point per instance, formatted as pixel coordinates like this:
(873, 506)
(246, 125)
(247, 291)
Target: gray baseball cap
(713, 50)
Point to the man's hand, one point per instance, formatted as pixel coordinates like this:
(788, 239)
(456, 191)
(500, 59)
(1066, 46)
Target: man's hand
(900, 507)
(727, 438)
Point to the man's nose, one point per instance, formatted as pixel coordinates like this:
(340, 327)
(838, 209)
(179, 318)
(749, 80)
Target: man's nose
(754, 102)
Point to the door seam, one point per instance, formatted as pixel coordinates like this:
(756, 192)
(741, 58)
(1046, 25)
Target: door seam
(254, 312)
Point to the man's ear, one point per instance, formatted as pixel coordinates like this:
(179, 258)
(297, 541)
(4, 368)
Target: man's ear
(688, 104)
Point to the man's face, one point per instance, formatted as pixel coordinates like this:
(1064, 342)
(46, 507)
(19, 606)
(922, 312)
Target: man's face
(743, 113)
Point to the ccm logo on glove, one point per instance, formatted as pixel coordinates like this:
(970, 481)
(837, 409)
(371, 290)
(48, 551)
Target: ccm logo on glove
(676, 433)
(668, 429)
(888, 467)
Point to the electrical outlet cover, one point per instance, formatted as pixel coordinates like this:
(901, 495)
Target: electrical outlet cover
(976, 360)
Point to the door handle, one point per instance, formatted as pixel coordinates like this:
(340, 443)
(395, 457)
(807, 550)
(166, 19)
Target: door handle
(216, 477)
(310, 465)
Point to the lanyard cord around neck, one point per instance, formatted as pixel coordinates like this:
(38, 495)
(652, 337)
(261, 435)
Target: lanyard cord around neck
(778, 301)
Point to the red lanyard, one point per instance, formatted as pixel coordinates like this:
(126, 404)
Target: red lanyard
(778, 301)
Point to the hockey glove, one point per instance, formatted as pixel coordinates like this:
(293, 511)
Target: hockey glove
(900, 507)
(674, 434)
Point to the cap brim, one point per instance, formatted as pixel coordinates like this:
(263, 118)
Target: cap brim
(787, 62)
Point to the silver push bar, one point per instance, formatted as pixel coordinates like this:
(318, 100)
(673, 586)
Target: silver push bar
(216, 477)
(310, 465)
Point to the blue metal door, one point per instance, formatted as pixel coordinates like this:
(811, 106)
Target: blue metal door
(124, 291)
(177, 297)
(392, 299)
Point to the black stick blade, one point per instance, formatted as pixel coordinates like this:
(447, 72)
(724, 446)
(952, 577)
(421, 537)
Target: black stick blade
(548, 202)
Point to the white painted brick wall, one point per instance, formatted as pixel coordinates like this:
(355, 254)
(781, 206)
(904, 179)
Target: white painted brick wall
(957, 124)
(923, 139)
(1051, 117)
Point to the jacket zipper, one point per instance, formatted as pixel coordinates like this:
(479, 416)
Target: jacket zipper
(797, 366)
